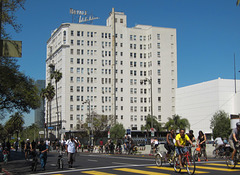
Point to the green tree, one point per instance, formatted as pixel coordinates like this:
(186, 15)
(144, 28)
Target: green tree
(48, 93)
(15, 124)
(176, 123)
(220, 124)
(156, 125)
(57, 75)
(100, 124)
(17, 91)
(9, 8)
(117, 131)
(3, 133)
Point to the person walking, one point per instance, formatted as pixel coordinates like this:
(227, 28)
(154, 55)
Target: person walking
(71, 146)
(43, 149)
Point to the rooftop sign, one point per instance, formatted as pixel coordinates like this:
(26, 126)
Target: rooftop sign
(81, 16)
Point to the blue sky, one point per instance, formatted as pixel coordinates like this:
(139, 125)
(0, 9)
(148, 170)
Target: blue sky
(208, 32)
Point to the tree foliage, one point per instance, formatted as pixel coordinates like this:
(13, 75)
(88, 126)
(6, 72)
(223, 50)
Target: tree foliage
(17, 91)
(156, 125)
(15, 123)
(117, 131)
(220, 124)
(176, 123)
(9, 8)
(30, 132)
(100, 124)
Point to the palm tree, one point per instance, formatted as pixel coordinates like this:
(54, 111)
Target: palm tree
(48, 93)
(176, 123)
(14, 124)
(57, 75)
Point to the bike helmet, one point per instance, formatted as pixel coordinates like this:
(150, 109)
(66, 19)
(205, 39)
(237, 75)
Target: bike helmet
(238, 124)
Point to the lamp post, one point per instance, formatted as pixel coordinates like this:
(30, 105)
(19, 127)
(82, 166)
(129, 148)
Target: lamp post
(149, 80)
(89, 113)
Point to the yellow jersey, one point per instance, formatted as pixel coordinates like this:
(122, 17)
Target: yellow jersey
(181, 140)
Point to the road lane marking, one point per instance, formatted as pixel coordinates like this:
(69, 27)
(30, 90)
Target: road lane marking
(95, 168)
(129, 170)
(171, 169)
(91, 160)
(218, 169)
(96, 172)
(218, 164)
(120, 163)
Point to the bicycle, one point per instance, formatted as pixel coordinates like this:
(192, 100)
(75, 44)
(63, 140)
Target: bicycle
(236, 158)
(161, 157)
(34, 160)
(187, 160)
(60, 161)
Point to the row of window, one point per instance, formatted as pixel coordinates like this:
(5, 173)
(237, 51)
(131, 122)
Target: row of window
(108, 35)
(109, 108)
(108, 62)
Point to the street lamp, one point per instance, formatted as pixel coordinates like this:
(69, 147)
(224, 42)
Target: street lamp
(149, 80)
(89, 110)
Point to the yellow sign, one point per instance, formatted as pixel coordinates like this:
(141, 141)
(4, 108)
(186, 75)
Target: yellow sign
(10, 48)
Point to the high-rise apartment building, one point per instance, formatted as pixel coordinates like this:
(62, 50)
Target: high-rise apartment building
(84, 55)
(39, 112)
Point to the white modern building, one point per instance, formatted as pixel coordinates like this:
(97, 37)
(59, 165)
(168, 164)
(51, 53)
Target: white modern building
(84, 55)
(199, 102)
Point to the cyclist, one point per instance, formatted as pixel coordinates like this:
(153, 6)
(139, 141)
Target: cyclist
(169, 145)
(234, 138)
(180, 144)
(218, 144)
(43, 149)
(27, 148)
(202, 143)
(101, 145)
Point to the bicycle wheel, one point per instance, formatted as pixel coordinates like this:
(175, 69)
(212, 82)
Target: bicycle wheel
(171, 159)
(190, 164)
(176, 165)
(228, 162)
(158, 160)
(195, 155)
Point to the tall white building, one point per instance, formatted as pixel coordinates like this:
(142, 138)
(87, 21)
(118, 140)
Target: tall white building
(199, 102)
(84, 55)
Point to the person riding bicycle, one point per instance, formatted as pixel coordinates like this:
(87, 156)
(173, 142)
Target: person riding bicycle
(180, 144)
(234, 139)
(218, 142)
(43, 149)
(101, 145)
(169, 145)
(202, 144)
(27, 148)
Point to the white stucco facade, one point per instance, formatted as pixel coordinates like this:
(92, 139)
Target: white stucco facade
(199, 102)
(83, 53)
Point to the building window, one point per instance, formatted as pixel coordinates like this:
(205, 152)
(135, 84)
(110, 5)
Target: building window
(72, 33)
(121, 20)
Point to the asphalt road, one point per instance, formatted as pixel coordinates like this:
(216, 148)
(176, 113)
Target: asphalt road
(104, 164)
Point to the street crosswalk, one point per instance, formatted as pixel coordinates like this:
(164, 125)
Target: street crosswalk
(206, 168)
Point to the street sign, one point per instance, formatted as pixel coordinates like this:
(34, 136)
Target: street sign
(50, 127)
(41, 132)
(62, 131)
(152, 132)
